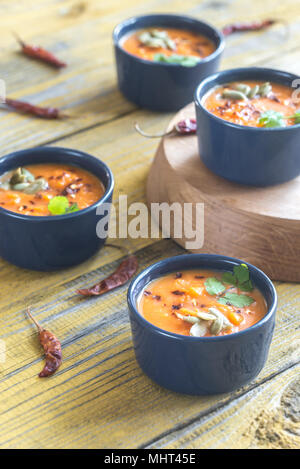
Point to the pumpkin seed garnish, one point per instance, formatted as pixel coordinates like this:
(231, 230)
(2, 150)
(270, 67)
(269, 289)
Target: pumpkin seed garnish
(206, 316)
(242, 91)
(199, 329)
(253, 91)
(191, 319)
(265, 89)
(38, 185)
(220, 323)
(243, 88)
(23, 180)
(175, 59)
(157, 39)
(229, 93)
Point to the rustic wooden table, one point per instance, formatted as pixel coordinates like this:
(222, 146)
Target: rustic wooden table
(100, 398)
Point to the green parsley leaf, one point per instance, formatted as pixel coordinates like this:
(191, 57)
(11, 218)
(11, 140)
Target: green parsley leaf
(295, 116)
(213, 286)
(185, 60)
(239, 301)
(241, 272)
(72, 208)
(228, 277)
(271, 119)
(59, 205)
(240, 277)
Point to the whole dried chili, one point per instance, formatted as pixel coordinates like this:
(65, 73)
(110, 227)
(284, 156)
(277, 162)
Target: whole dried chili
(27, 108)
(52, 349)
(122, 274)
(183, 127)
(41, 54)
(248, 26)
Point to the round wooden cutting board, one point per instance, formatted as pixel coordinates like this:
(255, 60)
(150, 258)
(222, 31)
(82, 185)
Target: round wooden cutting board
(258, 225)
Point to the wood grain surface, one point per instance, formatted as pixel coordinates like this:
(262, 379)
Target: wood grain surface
(250, 223)
(100, 398)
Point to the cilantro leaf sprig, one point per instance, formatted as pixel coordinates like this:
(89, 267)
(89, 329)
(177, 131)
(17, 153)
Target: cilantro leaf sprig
(277, 119)
(271, 119)
(295, 116)
(240, 278)
(213, 286)
(239, 301)
(59, 205)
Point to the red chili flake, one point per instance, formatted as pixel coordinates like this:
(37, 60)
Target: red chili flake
(41, 54)
(177, 306)
(249, 26)
(273, 97)
(72, 188)
(177, 292)
(199, 276)
(52, 349)
(122, 274)
(38, 111)
(156, 297)
(147, 293)
(178, 275)
(183, 127)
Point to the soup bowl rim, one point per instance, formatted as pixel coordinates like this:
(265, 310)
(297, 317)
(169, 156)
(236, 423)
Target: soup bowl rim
(255, 271)
(65, 150)
(198, 100)
(185, 18)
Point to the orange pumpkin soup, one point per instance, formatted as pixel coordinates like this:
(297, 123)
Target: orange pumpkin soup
(157, 43)
(202, 303)
(29, 190)
(254, 104)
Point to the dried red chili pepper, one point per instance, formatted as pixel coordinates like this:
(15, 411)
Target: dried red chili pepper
(52, 349)
(27, 108)
(122, 274)
(183, 127)
(249, 26)
(41, 54)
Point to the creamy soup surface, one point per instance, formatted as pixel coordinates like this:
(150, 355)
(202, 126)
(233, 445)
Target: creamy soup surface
(76, 184)
(184, 43)
(168, 301)
(250, 110)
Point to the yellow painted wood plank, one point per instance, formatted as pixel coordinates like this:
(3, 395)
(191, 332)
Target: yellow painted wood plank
(130, 161)
(87, 88)
(100, 392)
(266, 417)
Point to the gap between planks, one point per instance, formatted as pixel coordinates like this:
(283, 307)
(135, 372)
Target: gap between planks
(137, 109)
(218, 406)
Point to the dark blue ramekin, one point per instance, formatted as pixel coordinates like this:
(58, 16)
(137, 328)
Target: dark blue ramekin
(160, 86)
(247, 155)
(201, 365)
(53, 242)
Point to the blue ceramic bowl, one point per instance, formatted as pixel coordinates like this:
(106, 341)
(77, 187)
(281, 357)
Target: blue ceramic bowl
(247, 155)
(201, 365)
(52, 242)
(160, 86)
